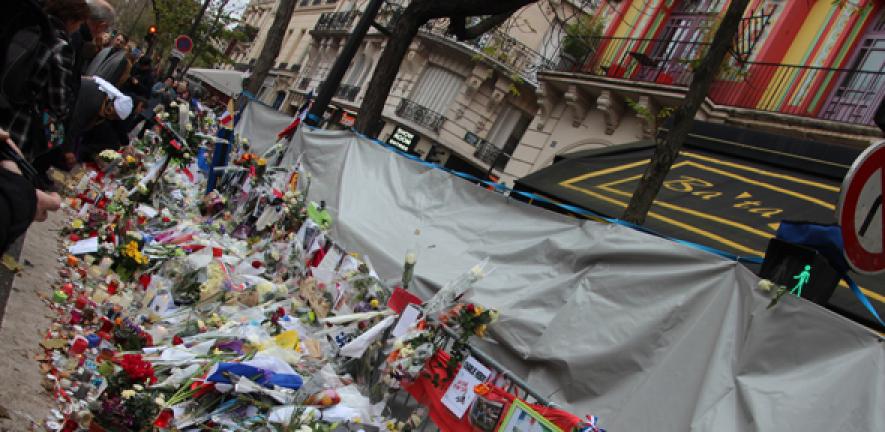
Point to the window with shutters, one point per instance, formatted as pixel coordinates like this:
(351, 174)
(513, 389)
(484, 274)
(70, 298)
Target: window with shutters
(431, 98)
(504, 137)
(436, 89)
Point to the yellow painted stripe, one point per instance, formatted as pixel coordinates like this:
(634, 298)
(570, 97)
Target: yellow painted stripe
(768, 186)
(605, 172)
(698, 231)
(819, 185)
(765, 150)
(695, 213)
(871, 294)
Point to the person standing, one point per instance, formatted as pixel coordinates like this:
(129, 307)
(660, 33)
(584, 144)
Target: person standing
(86, 41)
(34, 110)
(112, 63)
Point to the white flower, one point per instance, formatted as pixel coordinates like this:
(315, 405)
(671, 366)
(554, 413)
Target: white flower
(126, 394)
(189, 127)
(765, 285)
(109, 155)
(187, 155)
(134, 234)
(411, 257)
(476, 273)
(164, 115)
(160, 401)
(173, 104)
(138, 387)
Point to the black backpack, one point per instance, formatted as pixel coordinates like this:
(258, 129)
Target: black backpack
(24, 31)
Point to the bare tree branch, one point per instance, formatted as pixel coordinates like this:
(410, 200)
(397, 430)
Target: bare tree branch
(485, 25)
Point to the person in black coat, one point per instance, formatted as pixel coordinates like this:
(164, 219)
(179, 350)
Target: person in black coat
(20, 202)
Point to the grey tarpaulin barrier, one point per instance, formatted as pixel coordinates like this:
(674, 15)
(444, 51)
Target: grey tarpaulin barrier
(229, 82)
(261, 124)
(643, 332)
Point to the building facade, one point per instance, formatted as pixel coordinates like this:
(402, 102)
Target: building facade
(462, 104)
(811, 69)
(260, 15)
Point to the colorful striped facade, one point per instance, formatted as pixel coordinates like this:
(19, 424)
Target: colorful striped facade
(804, 61)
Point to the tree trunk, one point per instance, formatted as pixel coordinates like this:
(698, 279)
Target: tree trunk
(198, 48)
(369, 120)
(272, 44)
(667, 148)
(405, 29)
(196, 24)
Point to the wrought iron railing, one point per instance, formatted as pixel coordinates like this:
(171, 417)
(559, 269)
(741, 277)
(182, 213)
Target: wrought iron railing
(420, 115)
(347, 92)
(389, 14)
(499, 47)
(490, 154)
(844, 95)
(336, 21)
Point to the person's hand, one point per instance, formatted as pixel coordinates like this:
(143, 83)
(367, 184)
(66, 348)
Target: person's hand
(8, 164)
(46, 202)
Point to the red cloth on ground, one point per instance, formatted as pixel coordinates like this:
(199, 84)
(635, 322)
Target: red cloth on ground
(430, 396)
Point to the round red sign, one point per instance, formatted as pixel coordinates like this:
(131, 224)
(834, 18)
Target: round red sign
(184, 44)
(861, 213)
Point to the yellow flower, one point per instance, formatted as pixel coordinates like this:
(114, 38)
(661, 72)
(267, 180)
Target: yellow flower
(262, 162)
(130, 159)
(126, 394)
(477, 310)
(76, 224)
(374, 303)
(481, 331)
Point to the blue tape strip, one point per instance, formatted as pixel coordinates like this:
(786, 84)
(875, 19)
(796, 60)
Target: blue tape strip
(863, 299)
(568, 207)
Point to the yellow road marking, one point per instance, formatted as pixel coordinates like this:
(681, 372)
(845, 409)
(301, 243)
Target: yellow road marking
(605, 171)
(820, 185)
(696, 213)
(698, 231)
(772, 187)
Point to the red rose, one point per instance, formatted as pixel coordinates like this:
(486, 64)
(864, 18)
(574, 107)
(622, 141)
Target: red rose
(163, 419)
(471, 309)
(176, 340)
(256, 264)
(137, 369)
(144, 280)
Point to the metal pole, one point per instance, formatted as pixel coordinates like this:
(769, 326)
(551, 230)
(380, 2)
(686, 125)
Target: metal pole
(333, 79)
(173, 63)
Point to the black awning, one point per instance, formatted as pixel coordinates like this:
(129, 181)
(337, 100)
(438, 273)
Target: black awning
(721, 192)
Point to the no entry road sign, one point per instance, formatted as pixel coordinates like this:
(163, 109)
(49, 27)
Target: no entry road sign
(861, 213)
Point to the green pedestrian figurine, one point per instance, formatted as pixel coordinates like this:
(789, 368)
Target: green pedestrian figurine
(803, 280)
(802, 277)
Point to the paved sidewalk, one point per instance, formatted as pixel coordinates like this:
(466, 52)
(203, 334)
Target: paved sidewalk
(25, 319)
